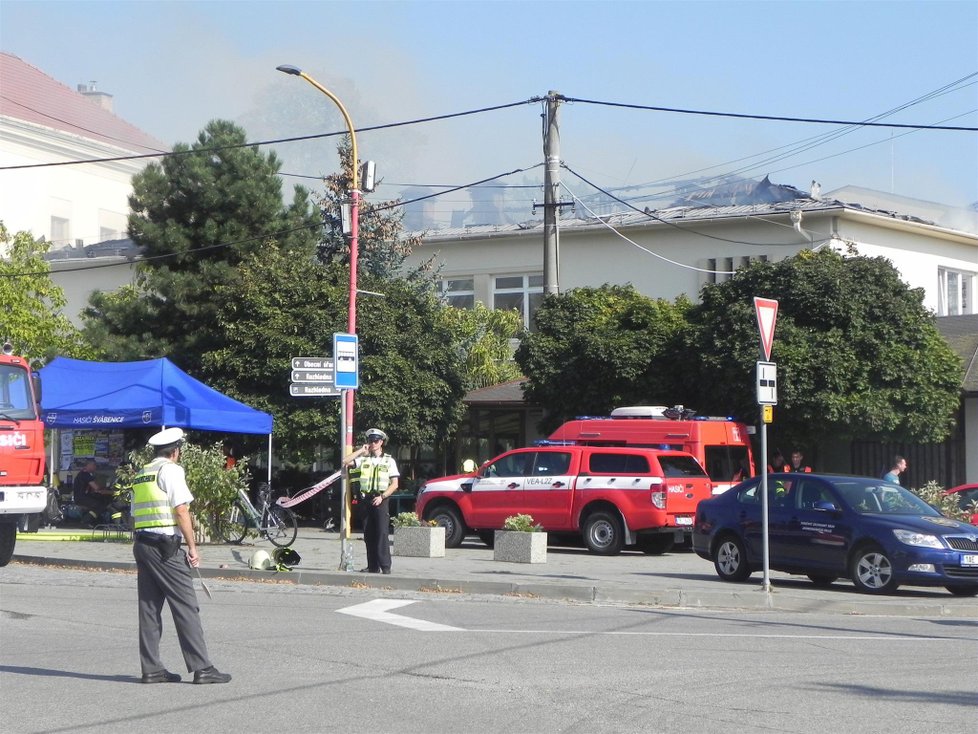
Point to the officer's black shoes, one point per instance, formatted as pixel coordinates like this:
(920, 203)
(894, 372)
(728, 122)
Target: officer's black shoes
(385, 570)
(161, 676)
(370, 570)
(211, 675)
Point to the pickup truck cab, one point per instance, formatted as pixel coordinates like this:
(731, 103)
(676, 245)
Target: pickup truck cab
(614, 497)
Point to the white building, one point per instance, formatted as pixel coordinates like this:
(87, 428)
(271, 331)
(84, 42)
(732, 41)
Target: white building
(677, 250)
(46, 129)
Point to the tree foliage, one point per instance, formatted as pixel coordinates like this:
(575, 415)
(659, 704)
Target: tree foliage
(598, 348)
(382, 249)
(31, 304)
(286, 304)
(483, 336)
(858, 355)
(196, 216)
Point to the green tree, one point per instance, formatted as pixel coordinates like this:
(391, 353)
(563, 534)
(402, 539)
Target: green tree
(286, 303)
(598, 348)
(31, 304)
(382, 248)
(858, 355)
(196, 216)
(483, 336)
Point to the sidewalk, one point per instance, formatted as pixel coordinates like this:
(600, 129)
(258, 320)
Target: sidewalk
(678, 579)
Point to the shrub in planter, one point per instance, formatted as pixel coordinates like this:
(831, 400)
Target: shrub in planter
(520, 541)
(416, 537)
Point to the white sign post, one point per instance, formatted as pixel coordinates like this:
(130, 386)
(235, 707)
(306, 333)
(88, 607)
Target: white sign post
(766, 310)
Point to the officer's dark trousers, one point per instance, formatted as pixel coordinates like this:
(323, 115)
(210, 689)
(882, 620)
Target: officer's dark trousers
(376, 534)
(158, 580)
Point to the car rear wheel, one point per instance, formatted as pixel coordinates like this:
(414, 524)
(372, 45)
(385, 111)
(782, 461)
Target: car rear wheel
(872, 571)
(603, 534)
(730, 559)
(448, 517)
(821, 579)
(966, 590)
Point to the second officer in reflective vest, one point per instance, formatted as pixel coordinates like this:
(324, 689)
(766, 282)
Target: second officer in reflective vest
(377, 475)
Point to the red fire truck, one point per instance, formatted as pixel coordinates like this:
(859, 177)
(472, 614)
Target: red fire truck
(21, 448)
(720, 444)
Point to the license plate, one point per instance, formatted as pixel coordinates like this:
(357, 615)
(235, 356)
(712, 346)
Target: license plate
(687, 520)
(969, 559)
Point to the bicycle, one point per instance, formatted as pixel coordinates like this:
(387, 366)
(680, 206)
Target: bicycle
(277, 524)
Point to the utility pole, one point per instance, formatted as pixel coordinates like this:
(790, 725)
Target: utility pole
(551, 204)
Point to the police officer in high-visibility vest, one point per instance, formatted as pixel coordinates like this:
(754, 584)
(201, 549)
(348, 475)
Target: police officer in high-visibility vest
(161, 519)
(377, 475)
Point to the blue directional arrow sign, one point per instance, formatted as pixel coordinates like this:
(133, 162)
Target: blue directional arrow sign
(346, 361)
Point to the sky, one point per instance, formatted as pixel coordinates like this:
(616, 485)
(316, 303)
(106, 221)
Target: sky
(173, 66)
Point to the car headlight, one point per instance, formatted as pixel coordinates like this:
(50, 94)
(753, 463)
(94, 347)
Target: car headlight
(922, 540)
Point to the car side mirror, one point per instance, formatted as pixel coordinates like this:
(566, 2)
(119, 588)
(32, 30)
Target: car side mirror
(828, 506)
(467, 486)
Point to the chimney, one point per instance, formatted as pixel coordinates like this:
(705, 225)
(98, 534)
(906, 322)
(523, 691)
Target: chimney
(102, 99)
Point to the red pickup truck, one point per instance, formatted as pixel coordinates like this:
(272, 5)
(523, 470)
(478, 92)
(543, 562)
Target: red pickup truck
(613, 496)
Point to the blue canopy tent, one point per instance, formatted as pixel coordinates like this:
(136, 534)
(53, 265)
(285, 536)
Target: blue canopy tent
(79, 394)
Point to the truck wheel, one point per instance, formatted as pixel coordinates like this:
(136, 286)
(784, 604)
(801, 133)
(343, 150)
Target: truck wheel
(656, 545)
(8, 538)
(448, 517)
(603, 534)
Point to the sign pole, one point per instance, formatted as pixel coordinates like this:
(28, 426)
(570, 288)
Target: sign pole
(346, 546)
(766, 558)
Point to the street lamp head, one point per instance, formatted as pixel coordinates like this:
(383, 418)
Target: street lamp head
(289, 69)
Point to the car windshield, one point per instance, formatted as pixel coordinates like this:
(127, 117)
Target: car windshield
(870, 496)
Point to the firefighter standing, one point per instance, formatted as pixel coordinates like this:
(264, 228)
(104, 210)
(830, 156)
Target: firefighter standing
(378, 478)
(161, 518)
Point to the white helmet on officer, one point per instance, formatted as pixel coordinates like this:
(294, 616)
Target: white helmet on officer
(374, 433)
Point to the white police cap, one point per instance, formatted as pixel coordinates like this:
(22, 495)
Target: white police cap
(166, 437)
(376, 432)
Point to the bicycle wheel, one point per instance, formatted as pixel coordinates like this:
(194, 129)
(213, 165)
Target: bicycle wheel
(232, 526)
(282, 526)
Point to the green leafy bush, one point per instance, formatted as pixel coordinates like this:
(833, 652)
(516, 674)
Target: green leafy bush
(411, 520)
(521, 523)
(933, 494)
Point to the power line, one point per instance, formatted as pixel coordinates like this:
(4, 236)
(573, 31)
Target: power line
(316, 136)
(776, 118)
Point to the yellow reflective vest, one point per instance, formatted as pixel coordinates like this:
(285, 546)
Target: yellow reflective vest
(373, 474)
(150, 505)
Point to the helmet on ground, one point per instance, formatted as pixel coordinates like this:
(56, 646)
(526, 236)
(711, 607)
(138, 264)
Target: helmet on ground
(376, 433)
(286, 557)
(261, 561)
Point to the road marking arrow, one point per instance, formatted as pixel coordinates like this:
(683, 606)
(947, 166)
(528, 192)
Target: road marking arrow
(377, 610)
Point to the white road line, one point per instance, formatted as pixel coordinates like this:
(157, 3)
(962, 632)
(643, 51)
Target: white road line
(378, 611)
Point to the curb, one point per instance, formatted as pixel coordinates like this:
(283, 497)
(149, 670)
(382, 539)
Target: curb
(744, 599)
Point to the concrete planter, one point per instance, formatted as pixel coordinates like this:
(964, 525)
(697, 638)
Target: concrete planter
(519, 547)
(422, 542)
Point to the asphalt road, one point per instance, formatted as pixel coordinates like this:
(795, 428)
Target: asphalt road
(401, 661)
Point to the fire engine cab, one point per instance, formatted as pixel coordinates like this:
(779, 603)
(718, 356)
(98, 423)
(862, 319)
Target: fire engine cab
(720, 444)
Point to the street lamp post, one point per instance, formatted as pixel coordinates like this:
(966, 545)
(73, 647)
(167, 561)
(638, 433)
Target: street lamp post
(346, 440)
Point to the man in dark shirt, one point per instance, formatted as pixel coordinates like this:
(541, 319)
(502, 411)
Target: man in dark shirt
(89, 494)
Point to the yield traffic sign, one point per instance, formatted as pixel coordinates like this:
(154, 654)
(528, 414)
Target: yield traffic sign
(767, 314)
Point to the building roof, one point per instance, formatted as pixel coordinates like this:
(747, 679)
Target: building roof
(740, 200)
(30, 95)
(504, 393)
(961, 332)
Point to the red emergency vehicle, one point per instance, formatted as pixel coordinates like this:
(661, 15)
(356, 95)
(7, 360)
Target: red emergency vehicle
(21, 448)
(720, 444)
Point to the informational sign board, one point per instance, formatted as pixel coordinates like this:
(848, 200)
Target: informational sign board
(313, 377)
(346, 361)
(767, 383)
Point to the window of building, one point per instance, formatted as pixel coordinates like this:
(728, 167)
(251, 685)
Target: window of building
(457, 292)
(60, 231)
(955, 290)
(521, 292)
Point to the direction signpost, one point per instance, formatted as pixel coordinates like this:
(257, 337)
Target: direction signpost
(313, 377)
(766, 310)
